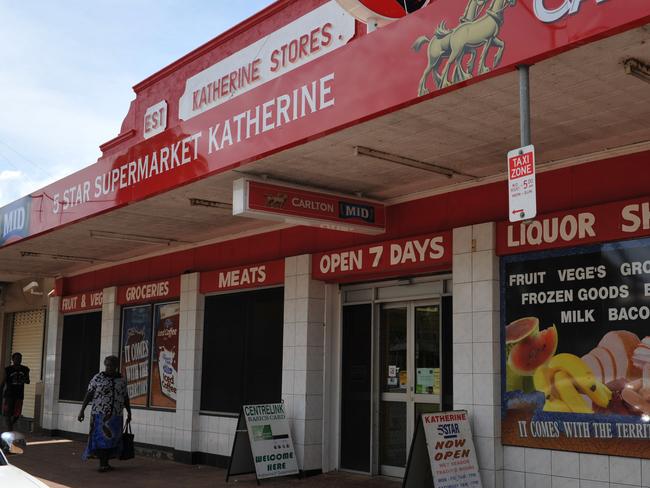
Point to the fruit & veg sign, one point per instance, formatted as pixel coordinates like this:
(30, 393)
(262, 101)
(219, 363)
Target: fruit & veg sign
(576, 358)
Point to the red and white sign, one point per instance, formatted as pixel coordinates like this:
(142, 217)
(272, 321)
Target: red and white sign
(155, 119)
(522, 191)
(302, 206)
(82, 302)
(320, 31)
(381, 11)
(242, 277)
(608, 222)
(414, 255)
(154, 291)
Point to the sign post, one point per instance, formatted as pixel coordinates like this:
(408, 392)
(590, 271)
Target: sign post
(442, 453)
(522, 191)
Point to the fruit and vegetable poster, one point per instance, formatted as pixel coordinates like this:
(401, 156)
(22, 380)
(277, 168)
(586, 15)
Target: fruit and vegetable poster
(164, 370)
(136, 347)
(576, 349)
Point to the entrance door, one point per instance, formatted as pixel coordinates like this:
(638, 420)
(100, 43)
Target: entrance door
(410, 380)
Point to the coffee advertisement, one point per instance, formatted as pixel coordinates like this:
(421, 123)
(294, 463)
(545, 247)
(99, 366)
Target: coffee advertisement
(136, 352)
(164, 372)
(576, 349)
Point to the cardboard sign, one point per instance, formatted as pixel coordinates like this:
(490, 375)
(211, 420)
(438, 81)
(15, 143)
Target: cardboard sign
(576, 366)
(81, 302)
(426, 253)
(164, 371)
(522, 191)
(442, 453)
(269, 443)
(154, 291)
(136, 352)
(302, 206)
(589, 225)
(243, 277)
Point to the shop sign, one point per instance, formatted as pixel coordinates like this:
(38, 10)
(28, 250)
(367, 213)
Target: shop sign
(136, 352)
(601, 223)
(270, 440)
(368, 11)
(164, 382)
(242, 277)
(324, 96)
(317, 33)
(444, 440)
(81, 302)
(576, 354)
(302, 206)
(153, 291)
(155, 119)
(414, 255)
(14, 220)
(522, 189)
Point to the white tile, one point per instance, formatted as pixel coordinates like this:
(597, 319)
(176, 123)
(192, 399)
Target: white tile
(463, 389)
(514, 479)
(485, 296)
(593, 484)
(559, 482)
(484, 236)
(485, 266)
(314, 383)
(625, 471)
(645, 473)
(513, 458)
(538, 461)
(303, 264)
(463, 358)
(486, 326)
(485, 451)
(462, 298)
(485, 419)
(538, 480)
(462, 268)
(488, 478)
(313, 457)
(290, 266)
(486, 357)
(565, 464)
(462, 327)
(462, 240)
(594, 467)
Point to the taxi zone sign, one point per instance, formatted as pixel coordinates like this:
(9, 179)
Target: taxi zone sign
(522, 192)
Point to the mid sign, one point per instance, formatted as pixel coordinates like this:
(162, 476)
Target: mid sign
(522, 190)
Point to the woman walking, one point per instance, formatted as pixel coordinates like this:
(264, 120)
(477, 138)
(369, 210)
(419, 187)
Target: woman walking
(108, 394)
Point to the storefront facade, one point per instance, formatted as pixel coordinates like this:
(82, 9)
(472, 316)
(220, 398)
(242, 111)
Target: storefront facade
(365, 271)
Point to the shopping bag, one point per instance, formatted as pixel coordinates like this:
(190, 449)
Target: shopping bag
(128, 441)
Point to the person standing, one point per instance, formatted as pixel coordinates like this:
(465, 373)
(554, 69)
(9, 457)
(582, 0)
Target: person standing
(109, 396)
(16, 377)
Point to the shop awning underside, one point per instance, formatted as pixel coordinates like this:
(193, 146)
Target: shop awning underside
(583, 103)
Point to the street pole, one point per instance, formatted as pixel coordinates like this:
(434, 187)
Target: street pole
(524, 105)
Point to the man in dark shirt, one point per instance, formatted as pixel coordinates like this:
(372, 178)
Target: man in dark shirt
(16, 377)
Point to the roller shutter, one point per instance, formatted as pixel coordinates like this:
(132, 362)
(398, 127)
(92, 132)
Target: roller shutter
(28, 333)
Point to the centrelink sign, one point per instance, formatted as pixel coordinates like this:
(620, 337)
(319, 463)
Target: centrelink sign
(14, 220)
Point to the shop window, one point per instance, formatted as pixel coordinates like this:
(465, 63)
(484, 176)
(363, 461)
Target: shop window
(80, 351)
(149, 354)
(242, 350)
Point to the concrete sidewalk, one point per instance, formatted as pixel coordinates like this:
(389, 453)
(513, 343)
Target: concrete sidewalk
(58, 463)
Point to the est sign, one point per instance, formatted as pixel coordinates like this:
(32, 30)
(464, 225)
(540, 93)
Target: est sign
(521, 184)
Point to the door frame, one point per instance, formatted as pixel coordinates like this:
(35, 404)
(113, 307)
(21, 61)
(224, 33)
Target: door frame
(432, 287)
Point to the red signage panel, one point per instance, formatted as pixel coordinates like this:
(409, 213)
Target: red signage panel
(331, 93)
(602, 223)
(154, 291)
(243, 277)
(303, 206)
(413, 255)
(82, 302)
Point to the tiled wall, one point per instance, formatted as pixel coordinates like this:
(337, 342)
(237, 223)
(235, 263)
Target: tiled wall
(540, 468)
(216, 435)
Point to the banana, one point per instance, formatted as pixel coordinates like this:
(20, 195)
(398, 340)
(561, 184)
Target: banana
(555, 405)
(543, 380)
(569, 394)
(583, 377)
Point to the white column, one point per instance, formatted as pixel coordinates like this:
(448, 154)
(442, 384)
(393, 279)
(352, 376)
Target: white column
(190, 349)
(52, 367)
(476, 334)
(110, 337)
(302, 369)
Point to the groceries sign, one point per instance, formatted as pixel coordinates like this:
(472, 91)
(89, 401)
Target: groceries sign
(154, 291)
(426, 253)
(302, 206)
(293, 85)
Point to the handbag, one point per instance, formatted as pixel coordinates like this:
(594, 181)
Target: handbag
(128, 443)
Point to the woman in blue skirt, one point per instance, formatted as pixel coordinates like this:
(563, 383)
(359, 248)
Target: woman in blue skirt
(108, 394)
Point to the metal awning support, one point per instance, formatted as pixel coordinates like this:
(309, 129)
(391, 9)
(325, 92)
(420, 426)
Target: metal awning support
(524, 104)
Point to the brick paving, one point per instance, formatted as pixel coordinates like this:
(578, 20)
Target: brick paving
(58, 463)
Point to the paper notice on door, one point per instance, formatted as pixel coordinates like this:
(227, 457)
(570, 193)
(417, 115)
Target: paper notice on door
(392, 371)
(436, 381)
(403, 379)
(425, 381)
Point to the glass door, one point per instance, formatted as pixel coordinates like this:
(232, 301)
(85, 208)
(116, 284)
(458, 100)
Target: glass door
(409, 337)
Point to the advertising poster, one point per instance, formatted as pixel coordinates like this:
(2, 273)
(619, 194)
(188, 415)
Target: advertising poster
(270, 439)
(576, 358)
(136, 347)
(164, 370)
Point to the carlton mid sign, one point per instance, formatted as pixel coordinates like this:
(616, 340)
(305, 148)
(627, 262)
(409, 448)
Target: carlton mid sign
(302, 206)
(320, 31)
(421, 254)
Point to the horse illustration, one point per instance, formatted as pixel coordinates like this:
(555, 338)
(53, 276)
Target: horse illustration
(473, 32)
